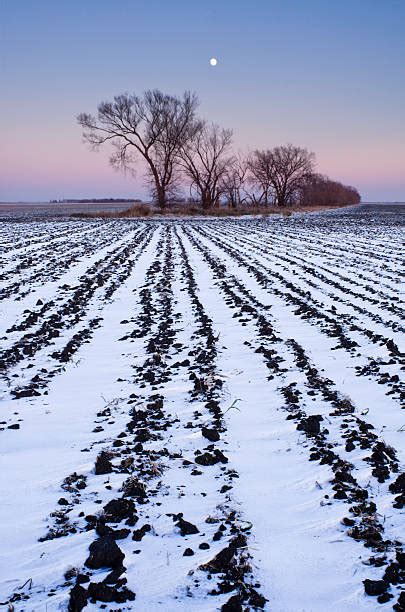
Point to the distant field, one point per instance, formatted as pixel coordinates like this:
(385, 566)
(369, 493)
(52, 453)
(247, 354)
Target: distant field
(202, 414)
(39, 210)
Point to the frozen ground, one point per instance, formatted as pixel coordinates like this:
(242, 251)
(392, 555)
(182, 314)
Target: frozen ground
(203, 415)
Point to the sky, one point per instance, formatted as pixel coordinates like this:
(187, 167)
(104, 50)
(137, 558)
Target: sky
(328, 75)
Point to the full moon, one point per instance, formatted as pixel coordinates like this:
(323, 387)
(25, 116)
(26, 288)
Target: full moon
(213, 61)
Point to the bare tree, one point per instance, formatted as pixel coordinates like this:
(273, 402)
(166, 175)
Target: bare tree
(154, 126)
(234, 181)
(281, 171)
(204, 159)
(260, 167)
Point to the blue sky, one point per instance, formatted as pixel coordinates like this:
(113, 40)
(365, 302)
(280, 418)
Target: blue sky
(328, 75)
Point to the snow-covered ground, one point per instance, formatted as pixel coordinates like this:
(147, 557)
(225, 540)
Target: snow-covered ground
(203, 414)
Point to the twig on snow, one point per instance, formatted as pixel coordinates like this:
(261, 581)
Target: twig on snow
(233, 406)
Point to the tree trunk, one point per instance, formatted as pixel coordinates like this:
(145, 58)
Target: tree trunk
(281, 199)
(160, 189)
(206, 201)
(161, 196)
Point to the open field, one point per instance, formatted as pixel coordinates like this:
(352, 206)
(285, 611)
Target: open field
(203, 414)
(25, 211)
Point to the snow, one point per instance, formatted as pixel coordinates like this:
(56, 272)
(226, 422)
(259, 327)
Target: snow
(217, 300)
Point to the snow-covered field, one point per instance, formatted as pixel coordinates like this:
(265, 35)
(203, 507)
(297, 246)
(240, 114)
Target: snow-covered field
(203, 415)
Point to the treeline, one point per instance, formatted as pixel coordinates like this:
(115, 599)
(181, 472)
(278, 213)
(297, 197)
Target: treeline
(318, 190)
(181, 152)
(93, 200)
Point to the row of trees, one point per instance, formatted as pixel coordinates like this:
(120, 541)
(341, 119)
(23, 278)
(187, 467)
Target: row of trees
(320, 190)
(179, 149)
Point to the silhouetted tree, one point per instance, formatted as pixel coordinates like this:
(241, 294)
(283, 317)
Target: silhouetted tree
(205, 159)
(280, 172)
(154, 126)
(260, 166)
(234, 181)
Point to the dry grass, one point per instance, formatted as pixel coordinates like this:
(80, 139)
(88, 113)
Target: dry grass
(136, 210)
(194, 210)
